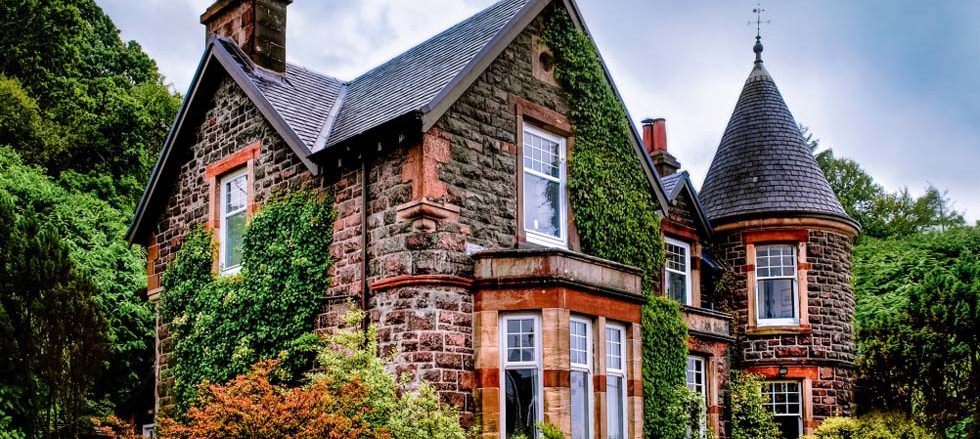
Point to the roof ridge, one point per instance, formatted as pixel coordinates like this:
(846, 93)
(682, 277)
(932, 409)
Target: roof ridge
(435, 37)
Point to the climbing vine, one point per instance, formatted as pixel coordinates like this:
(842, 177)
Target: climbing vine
(221, 325)
(616, 216)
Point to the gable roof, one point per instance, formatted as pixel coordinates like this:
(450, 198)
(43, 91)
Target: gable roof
(314, 112)
(763, 166)
(674, 185)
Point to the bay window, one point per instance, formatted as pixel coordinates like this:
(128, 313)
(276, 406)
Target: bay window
(616, 381)
(677, 275)
(521, 405)
(776, 288)
(544, 185)
(580, 356)
(785, 402)
(233, 196)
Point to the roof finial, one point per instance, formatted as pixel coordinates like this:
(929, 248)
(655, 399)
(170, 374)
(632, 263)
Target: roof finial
(758, 31)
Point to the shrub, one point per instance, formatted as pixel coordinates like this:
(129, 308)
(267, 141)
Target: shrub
(750, 418)
(351, 396)
(872, 426)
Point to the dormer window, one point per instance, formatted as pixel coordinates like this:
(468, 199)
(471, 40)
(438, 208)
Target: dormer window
(544, 184)
(776, 294)
(231, 227)
(678, 271)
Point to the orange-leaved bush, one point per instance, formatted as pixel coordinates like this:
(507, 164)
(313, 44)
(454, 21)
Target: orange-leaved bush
(351, 395)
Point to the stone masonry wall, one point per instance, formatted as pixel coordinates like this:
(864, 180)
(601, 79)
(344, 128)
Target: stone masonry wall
(829, 347)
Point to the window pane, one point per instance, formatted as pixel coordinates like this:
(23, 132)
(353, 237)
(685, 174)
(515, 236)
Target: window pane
(790, 427)
(614, 402)
(234, 234)
(695, 374)
(541, 205)
(677, 287)
(236, 193)
(776, 299)
(580, 405)
(579, 343)
(520, 402)
(614, 349)
(676, 257)
(543, 154)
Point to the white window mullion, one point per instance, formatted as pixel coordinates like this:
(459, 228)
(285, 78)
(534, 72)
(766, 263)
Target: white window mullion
(777, 301)
(581, 359)
(677, 271)
(616, 417)
(521, 380)
(544, 186)
(233, 204)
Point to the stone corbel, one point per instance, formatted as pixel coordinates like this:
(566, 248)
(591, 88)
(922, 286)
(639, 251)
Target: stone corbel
(428, 206)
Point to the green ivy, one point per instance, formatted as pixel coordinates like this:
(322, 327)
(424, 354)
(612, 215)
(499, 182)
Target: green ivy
(616, 216)
(221, 325)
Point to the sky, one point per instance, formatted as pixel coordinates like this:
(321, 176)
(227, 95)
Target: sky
(892, 84)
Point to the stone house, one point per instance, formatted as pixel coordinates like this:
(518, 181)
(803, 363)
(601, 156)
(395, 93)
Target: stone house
(441, 160)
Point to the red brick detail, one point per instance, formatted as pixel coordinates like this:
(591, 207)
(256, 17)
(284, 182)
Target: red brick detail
(557, 378)
(669, 227)
(803, 329)
(540, 115)
(599, 383)
(420, 169)
(792, 372)
(634, 387)
(487, 378)
(623, 310)
(244, 157)
(421, 279)
(747, 268)
(804, 266)
(801, 235)
(152, 254)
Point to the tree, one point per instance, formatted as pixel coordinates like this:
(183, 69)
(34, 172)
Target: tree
(918, 319)
(91, 231)
(102, 104)
(50, 328)
(882, 214)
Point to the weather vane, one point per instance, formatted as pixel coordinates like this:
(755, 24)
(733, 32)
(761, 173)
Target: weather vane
(758, 20)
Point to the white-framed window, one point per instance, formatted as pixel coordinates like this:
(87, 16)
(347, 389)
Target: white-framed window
(149, 430)
(544, 183)
(580, 356)
(785, 401)
(697, 381)
(677, 271)
(233, 197)
(776, 289)
(616, 381)
(521, 405)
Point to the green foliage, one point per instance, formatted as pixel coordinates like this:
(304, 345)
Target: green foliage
(750, 417)
(52, 334)
(918, 309)
(664, 368)
(695, 408)
(91, 230)
(222, 325)
(872, 426)
(616, 214)
(92, 103)
(883, 214)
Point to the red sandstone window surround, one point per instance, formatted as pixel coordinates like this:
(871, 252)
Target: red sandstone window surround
(544, 143)
(230, 186)
(777, 280)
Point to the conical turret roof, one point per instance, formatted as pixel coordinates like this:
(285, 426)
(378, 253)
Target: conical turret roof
(763, 167)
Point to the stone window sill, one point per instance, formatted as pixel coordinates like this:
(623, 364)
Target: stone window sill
(775, 330)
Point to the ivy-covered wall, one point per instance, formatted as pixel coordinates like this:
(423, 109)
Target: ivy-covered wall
(221, 325)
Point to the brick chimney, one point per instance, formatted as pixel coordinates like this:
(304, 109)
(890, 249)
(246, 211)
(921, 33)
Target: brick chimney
(257, 26)
(655, 142)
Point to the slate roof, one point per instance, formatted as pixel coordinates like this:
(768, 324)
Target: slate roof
(305, 99)
(411, 81)
(673, 183)
(763, 166)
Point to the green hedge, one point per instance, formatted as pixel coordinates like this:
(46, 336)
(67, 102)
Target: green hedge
(222, 325)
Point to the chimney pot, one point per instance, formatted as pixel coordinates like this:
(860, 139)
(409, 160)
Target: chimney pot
(655, 142)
